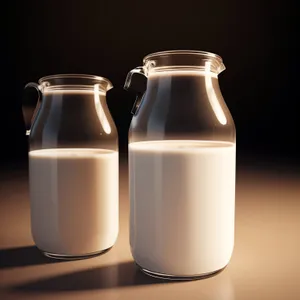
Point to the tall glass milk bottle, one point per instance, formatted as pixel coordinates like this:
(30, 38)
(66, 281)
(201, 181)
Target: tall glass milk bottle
(181, 166)
(73, 167)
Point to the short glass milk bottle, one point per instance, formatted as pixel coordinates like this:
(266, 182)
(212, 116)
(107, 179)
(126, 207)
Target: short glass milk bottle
(181, 167)
(73, 167)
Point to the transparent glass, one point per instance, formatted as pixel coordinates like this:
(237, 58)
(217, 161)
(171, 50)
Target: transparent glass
(181, 166)
(182, 100)
(72, 112)
(73, 167)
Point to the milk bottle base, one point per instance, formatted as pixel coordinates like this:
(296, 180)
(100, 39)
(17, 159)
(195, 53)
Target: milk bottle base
(74, 257)
(178, 277)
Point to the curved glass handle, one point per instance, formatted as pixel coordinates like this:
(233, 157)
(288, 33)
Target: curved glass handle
(37, 87)
(137, 84)
(129, 82)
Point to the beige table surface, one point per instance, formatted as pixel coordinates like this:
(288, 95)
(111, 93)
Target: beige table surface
(265, 262)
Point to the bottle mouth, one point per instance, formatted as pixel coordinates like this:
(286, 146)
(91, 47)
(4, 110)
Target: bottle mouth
(60, 82)
(183, 60)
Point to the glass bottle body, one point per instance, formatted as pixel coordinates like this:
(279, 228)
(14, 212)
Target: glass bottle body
(181, 168)
(73, 168)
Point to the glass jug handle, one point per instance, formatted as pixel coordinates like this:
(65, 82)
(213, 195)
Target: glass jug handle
(37, 87)
(138, 85)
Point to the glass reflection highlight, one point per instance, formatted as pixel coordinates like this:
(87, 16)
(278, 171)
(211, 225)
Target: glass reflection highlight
(212, 97)
(100, 111)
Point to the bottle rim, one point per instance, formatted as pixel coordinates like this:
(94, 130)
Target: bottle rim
(183, 52)
(183, 60)
(75, 81)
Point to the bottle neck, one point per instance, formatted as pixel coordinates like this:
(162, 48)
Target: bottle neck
(184, 82)
(68, 95)
(189, 72)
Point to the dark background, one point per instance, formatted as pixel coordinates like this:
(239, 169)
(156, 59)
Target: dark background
(256, 39)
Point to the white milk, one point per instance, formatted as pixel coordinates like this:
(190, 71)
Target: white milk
(182, 205)
(74, 200)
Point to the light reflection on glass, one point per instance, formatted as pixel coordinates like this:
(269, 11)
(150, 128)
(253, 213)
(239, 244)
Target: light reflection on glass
(100, 111)
(212, 97)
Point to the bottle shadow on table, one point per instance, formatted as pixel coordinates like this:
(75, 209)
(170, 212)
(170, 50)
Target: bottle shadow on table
(105, 277)
(23, 256)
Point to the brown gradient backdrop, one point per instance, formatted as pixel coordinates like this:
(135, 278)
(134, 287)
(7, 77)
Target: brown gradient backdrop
(108, 38)
(258, 42)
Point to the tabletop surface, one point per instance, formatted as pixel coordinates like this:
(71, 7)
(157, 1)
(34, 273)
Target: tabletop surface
(265, 262)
